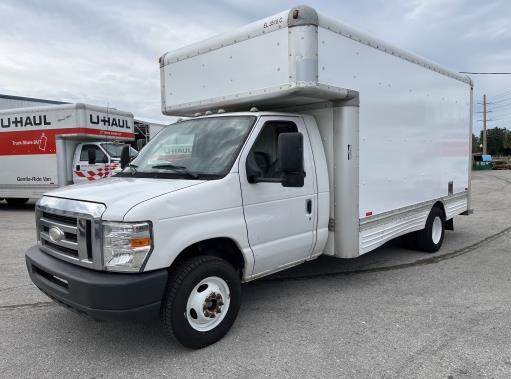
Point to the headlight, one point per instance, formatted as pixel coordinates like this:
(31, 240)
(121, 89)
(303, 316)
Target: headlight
(126, 245)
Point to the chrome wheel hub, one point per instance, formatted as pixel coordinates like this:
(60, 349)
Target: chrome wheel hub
(208, 304)
(436, 230)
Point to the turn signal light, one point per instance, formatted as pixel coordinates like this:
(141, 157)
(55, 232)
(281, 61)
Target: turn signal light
(140, 242)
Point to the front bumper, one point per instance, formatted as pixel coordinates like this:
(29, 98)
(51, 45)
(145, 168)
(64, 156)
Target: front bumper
(98, 295)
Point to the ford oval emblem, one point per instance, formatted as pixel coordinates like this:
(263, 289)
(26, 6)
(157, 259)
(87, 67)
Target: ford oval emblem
(55, 234)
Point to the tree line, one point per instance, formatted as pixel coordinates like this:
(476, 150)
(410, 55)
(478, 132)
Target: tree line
(498, 142)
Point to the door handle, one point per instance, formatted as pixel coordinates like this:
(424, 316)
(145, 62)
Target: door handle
(308, 206)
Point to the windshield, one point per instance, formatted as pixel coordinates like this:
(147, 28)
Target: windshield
(199, 148)
(114, 149)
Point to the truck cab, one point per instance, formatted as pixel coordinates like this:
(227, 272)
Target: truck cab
(215, 184)
(106, 160)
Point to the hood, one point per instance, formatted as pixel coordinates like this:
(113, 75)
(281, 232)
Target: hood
(123, 193)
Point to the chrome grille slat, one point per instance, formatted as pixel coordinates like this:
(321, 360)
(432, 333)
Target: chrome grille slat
(65, 228)
(64, 243)
(82, 237)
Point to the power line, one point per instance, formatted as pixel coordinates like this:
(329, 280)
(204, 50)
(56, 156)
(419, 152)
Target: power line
(502, 93)
(485, 73)
(503, 100)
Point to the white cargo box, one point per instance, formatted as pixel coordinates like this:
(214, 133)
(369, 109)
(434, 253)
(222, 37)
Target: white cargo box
(409, 142)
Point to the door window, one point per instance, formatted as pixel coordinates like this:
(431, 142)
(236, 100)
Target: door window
(265, 148)
(100, 155)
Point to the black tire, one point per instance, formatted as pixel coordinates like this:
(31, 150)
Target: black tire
(181, 284)
(424, 238)
(16, 200)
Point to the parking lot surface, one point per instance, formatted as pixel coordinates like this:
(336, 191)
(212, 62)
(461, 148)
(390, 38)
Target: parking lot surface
(390, 313)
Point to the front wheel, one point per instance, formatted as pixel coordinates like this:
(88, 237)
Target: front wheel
(202, 301)
(430, 239)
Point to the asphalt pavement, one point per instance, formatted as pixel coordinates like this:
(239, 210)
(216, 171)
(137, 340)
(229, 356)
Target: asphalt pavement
(390, 313)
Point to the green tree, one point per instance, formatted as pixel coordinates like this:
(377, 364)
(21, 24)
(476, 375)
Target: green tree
(507, 142)
(495, 140)
(476, 142)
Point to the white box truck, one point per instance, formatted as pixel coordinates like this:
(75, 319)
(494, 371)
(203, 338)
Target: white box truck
(306, 137)
(42, 148)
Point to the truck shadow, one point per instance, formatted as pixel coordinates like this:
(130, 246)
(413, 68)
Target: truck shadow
(29, 206)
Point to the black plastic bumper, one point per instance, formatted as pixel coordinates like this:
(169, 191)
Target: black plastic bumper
(97, 294)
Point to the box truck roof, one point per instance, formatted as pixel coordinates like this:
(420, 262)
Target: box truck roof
(274, 62)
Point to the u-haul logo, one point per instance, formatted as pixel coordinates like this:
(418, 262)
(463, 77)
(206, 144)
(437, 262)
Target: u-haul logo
(24, 121)
(108, 121)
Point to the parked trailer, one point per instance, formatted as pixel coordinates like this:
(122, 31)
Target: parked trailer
(306, 137)
(42, 148)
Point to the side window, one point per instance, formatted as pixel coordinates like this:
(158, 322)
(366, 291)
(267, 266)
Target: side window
(100, 155)
(265, 147)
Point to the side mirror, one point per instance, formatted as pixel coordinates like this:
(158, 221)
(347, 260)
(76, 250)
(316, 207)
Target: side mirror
(290, 155)
(253, 170)
(92, 156)
(105, 159)
(125, 156)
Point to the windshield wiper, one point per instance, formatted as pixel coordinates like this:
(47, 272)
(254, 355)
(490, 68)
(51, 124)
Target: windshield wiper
(180, 169)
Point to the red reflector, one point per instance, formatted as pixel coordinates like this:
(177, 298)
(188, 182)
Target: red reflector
(369, 213)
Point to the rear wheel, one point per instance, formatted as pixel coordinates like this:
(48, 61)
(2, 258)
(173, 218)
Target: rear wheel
(16, 200)
(202, 301)
(430, 239)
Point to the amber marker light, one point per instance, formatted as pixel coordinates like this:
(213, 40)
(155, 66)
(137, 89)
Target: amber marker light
(140, 242)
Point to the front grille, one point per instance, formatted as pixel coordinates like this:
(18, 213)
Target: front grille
(70, 230)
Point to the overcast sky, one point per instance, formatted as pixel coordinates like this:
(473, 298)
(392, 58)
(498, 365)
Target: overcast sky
(106, 52)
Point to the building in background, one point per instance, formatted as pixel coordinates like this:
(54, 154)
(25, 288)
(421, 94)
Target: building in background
(10, 102)
(144, 130)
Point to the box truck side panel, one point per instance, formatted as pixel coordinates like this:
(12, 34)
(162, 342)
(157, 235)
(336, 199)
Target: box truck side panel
(28, 150)
(28, 175)
(414, 124)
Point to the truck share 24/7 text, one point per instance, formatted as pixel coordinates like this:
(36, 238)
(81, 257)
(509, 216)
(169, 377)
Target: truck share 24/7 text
(305, 137)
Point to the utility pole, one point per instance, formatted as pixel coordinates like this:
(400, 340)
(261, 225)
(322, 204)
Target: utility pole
(484, 125)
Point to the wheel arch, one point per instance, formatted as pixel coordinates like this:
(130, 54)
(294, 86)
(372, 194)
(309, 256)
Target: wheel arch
(440, 205)
(221, 247)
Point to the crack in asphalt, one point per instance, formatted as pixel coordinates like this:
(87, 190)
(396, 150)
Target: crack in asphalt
(420, 262)
(38, 304)
(500, 178)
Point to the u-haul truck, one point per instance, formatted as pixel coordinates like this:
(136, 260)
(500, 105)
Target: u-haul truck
(42, 148)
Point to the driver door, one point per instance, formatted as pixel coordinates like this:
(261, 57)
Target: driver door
(281, 221)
